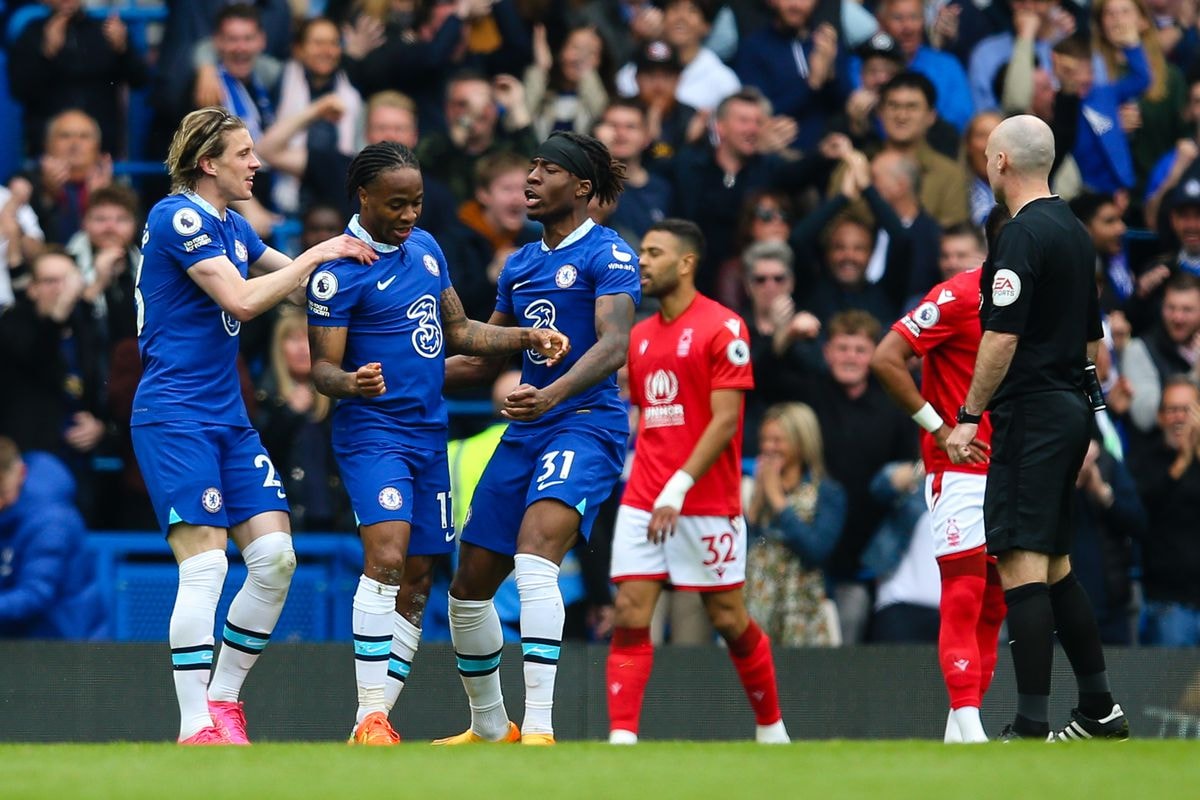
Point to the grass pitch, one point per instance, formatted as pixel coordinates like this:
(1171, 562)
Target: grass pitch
(816, 770)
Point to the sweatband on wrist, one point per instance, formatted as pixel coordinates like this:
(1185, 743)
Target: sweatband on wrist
(928, 418)
(676, 489)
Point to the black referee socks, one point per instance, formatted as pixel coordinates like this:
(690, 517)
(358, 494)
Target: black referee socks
(1080, 638)
(1031, 638)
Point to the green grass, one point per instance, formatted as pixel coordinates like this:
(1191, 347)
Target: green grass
(809, 770)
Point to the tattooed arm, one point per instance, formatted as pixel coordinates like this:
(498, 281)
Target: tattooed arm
(328, 346)
(614, 319)
(469, 337)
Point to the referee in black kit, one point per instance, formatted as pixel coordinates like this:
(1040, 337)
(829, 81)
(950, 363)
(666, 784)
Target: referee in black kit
(1041, 324)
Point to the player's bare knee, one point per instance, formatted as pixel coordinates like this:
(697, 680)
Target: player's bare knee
(728, 616)
(630, 610)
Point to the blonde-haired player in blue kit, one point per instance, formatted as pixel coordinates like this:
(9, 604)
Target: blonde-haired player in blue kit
(207, 473)
(563, 451)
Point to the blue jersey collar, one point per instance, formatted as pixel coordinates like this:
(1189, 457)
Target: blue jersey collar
(204, 205)
(358, 230)
(573, 237)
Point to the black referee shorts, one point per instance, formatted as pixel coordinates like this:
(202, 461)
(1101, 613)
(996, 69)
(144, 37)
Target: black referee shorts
(1038, 444)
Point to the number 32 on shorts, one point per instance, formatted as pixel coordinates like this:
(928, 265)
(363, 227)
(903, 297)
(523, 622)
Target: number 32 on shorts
(719, 549)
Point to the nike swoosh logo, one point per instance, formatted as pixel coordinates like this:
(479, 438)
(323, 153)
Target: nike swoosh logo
(381, 285)
(544, 486)
(519, 284)
(450, 536)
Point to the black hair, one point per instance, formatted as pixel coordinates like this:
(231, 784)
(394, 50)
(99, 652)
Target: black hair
(1087, 205)
(610, 173)
(965, 229)
(911, 80)
(247, 11)
(376, 158)
(997, 218)
(685, 231)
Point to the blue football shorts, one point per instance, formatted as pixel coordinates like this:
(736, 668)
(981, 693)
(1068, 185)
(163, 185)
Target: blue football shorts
(389, 481)
(206, 474)
(578, 465)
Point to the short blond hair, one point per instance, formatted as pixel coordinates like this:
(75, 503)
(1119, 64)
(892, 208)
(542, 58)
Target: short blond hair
(802, 429)
(202, 134)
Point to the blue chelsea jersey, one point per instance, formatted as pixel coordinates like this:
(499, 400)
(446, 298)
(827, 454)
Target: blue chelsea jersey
(557, 289)
(189, 345)
(393, 314)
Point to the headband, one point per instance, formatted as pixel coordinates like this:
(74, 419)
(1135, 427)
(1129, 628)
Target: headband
(560, 150)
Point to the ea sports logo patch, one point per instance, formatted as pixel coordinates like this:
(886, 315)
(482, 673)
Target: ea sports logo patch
(566, 276)
(1006, 287)
(389, 498)
(186, 221)
(926, 315)
(211, 500)
(239, 250)
(431, 265)
(324, 285)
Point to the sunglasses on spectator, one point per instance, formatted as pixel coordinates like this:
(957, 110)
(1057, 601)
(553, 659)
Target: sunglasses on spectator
(761, 279)
(769, 215)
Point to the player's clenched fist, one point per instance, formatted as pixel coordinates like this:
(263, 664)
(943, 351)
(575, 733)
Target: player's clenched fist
(550, 343)
(368, 380)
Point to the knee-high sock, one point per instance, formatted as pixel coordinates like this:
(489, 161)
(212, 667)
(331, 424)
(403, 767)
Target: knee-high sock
(963, 581)
(751, 655)
(988, 631)
(478, 639)
(1080, 638)
(542, 618)
(1031, 631)
(630, 659)
(374, 606)
(405, 638)
(270, 562)
(191, 635)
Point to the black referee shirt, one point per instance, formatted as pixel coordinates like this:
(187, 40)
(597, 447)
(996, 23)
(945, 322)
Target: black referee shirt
(1040, 284)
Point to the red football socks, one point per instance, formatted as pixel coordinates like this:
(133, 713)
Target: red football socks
(630, 659)
(964, 578)
(751, 654)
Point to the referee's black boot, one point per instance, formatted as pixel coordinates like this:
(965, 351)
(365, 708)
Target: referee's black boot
(1082, 727)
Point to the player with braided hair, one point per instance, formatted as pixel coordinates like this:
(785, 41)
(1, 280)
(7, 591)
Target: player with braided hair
(379, 336)
(564, 450)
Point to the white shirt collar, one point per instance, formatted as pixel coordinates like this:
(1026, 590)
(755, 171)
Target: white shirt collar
(573, 237)
(358, 230)
(204, 205)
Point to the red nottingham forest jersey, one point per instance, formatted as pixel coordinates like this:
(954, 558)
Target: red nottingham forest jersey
(945, 329)
(673, 369)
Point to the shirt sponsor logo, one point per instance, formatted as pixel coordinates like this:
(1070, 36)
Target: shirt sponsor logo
(186, 221)
(625, 267)
(390, 499)
(239, 250)
(211, 500)
(318, 309)
(926, 315)
(661, 388)
(431, 265)
(565, 276)
(324, 285)
(1006, 287)
(194, 244)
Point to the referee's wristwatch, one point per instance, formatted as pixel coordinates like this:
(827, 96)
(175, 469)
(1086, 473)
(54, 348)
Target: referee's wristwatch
(965, 416)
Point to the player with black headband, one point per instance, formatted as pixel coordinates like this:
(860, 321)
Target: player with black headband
(564, 449)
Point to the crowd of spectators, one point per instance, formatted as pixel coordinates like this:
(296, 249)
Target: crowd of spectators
(832, 151)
